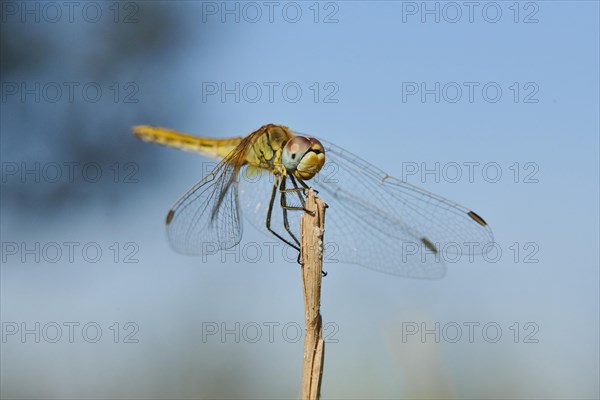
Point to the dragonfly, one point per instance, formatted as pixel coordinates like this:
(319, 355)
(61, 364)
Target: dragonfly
(373, 219)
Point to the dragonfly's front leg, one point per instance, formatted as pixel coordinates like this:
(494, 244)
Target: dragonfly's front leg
(270, 212)
(299, 190)
(304, 185)
(285, 208)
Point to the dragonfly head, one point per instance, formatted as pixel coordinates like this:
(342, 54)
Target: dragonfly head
(303, 156)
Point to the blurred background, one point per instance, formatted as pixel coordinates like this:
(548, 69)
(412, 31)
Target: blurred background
(493, 105)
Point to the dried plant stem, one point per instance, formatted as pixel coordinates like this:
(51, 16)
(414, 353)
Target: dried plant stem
(312, 226)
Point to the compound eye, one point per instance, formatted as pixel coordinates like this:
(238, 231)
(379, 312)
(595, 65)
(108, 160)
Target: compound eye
(296, 147)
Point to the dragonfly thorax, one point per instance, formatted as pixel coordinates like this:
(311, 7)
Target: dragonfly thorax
(303, 157)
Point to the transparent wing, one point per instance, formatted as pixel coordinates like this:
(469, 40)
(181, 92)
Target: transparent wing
(388, 225)
(207, 218)
(373, 219)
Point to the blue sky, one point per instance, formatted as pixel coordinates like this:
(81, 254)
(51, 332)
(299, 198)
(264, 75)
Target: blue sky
(541, 133)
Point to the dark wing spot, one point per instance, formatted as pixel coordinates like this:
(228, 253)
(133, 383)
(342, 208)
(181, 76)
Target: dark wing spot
(429, 245)
(477, 218)
(170, 216)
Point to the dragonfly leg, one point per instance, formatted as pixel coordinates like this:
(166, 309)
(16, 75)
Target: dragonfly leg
(296, 189)
(270, 212)
(305, 186)
(299, 191)
(285, 208)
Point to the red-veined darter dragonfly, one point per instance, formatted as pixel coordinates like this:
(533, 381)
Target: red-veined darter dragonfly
(373, 219)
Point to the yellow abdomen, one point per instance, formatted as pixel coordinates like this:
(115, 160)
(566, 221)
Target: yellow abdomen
(208, 147)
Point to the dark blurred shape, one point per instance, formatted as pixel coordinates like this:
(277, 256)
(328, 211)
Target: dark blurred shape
(76, 135)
